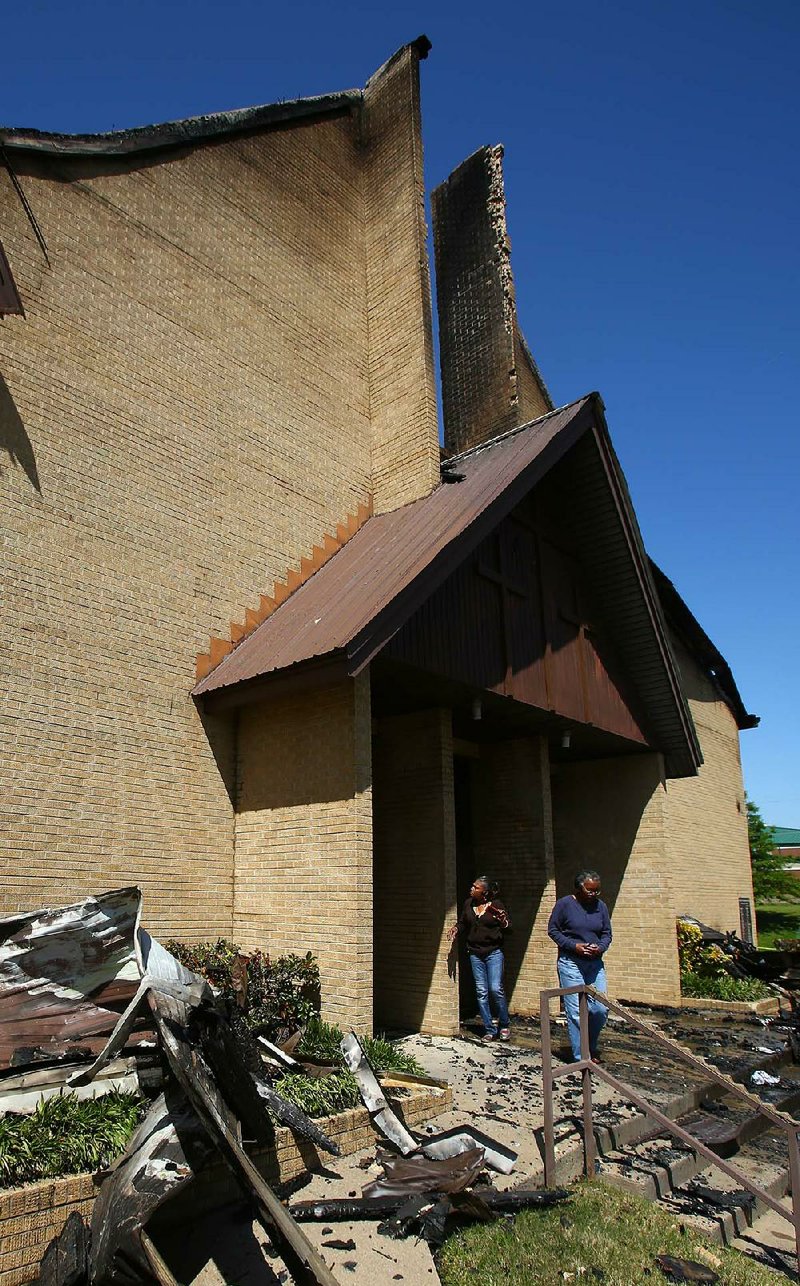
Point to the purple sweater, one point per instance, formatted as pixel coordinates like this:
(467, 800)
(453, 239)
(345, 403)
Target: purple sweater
(570, 922)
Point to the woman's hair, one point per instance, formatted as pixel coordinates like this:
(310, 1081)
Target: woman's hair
(491, 886)
(583, 876)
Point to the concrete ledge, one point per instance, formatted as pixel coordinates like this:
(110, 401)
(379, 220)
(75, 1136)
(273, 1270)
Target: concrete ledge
(31, 1216)
(769, 1007)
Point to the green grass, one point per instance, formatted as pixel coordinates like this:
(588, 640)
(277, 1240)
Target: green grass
(66, 1135)
(601, 1234)
(777, 920)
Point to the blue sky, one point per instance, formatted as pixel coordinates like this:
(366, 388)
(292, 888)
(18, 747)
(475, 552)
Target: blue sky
(651, 173)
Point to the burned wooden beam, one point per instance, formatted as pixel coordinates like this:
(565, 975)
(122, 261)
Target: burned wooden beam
(66, 1260)
(163, 1155)
(349, 1210)
(195, 1078)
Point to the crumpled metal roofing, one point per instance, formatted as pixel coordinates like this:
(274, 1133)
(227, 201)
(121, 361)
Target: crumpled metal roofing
(354, 604)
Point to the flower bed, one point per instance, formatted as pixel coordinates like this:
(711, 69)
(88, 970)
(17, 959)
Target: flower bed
(31, 1216)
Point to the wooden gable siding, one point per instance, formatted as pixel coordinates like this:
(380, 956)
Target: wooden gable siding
(517, 618)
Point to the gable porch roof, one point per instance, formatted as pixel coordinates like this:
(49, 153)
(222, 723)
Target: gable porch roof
(348, 610)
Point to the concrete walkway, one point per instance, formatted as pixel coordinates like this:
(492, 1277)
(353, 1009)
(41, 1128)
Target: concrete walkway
(497, 1088)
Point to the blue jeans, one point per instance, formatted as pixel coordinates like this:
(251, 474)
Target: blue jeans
(488, 975)
(573, 971)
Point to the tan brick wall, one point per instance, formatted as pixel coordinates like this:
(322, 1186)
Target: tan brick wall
(513, 843)
(185, 410)
(29, 1219)
(304, 839)
(611, 814)
(415, 872)
(405, 444)
(706, 815)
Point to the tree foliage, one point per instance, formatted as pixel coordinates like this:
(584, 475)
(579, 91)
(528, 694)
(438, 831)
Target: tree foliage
(770, 878)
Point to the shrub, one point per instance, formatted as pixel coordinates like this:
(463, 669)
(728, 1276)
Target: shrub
(723, 988)
(322, 1040)
(696, 958)
(66, 1135)
(273, 994)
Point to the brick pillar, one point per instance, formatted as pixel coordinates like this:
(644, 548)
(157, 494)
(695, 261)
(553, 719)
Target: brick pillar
(490, 382)
(513, 843)
(415, 872)
(610, 814)
(303, 863)
(405, 429)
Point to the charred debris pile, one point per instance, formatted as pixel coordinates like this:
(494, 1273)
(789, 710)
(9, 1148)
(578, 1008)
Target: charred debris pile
(91, 1003)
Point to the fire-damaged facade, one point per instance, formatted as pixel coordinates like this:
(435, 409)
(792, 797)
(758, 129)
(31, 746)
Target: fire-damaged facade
(269, 653)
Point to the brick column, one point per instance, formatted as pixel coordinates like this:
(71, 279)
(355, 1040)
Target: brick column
(610, 814)
(415, 872)
(513, 843)
(402, 386)
(303, 863)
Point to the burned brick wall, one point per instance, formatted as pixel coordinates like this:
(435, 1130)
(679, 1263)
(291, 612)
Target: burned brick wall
(489, 379)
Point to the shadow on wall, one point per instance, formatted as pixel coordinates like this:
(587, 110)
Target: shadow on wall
(220, 733)
(14, 438)
(597, 813)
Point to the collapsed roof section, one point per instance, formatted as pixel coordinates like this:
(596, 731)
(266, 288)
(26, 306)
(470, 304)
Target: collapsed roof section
(349, 610)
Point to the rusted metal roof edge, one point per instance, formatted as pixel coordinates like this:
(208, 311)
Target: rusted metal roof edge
(194, 129)
(650, 597)
(688, 628)
(313, 672)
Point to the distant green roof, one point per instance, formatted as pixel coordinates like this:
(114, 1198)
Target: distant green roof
(786, 836)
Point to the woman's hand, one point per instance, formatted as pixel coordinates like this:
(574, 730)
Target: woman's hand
(451, 932)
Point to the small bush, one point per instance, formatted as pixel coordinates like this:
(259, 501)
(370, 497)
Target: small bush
(66, 1135)
(273, 994)
(696, 958)
(723, 988)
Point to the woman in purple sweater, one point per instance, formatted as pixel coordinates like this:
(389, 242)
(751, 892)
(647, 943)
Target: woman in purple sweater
(580, 926)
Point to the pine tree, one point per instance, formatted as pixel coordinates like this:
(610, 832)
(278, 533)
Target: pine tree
(770, 879)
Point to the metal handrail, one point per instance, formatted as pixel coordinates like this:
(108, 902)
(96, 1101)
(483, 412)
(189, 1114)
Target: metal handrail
(588, 1068)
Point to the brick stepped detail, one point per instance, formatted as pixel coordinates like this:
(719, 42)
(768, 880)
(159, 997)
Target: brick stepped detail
(220, 647)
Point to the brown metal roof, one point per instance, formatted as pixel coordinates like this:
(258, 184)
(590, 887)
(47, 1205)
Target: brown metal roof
(354, 604)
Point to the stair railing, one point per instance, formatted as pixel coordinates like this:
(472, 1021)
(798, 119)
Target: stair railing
(587, 1069)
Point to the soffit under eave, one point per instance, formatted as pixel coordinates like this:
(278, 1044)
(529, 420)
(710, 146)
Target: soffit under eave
(682, 751)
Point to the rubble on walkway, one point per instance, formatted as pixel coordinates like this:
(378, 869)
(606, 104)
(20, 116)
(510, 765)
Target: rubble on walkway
(65, 975)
